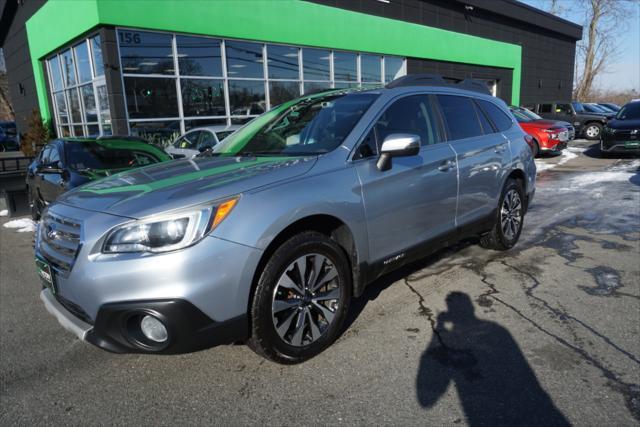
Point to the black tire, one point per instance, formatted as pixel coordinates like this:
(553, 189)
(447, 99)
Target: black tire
(499, 238)
(265, 339)
(36, 211)
(593, 131)
(535, 150)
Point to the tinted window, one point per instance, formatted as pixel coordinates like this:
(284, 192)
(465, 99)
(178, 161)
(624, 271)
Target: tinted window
(316, 64)
(84, 67)
(497, 116)
(413, 115)
(92, 155)
(545, 108)
(244, 59)
(188, 141)
(630, 111)
(207, 139)
(460, 116)
(148, 98)
(283, 62)
(202, 97)
(370, 68)
(280, 92)
(345, 66)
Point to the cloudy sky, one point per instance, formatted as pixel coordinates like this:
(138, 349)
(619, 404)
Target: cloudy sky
(623, 72)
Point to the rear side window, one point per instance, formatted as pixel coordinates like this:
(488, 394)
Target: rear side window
(496, 115)
(545, 108)
(460, 116)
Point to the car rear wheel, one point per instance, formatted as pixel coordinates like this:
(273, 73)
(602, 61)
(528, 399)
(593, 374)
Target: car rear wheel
(593, 131)
(509, 219)
(301, 299)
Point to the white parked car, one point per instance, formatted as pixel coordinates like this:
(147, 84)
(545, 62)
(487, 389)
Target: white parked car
(198, 140)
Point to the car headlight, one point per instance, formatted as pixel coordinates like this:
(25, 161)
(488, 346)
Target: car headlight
(163, 233)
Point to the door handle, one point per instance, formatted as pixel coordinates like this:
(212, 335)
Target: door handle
(449, 164)
(500, 148)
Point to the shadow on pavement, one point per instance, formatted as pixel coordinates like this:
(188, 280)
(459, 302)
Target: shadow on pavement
(495, 384)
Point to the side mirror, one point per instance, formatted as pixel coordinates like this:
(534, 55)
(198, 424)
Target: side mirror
(397, 145)
(51, 168)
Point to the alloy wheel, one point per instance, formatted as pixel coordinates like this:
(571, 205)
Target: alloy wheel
(306, 299)
(511, 214)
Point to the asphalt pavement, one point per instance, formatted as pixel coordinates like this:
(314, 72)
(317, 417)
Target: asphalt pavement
(544, 334)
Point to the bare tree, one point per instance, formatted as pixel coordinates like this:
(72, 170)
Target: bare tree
(604, 22)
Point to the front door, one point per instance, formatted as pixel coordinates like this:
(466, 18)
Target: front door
(415, 200)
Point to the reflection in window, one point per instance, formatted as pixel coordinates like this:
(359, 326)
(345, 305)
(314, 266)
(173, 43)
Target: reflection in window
(244, 59)
(370, 68)
(103, 103)
(246, 97)
(313, 87)
(74, 106)
(82, 58)
(98, 65)
(202, 97)
(61, 106)
(56, 77)
(316, 64)
(142, 52)
(345, 66)
(89, 103)
(149, 98)
(68, 72)
(161, 133)
(192, 124)
(283, 62)
(199, 56)
(280, 92)
(392, 68)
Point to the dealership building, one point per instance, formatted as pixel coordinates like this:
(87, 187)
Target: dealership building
(156, 68)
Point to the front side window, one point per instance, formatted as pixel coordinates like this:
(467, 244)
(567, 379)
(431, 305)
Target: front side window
(630, 111)
(497, 116)
(86, 156)
(311, 126)
(460, 116)
(413, 115)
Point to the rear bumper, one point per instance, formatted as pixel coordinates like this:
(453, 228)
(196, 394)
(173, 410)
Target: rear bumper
(116, 328)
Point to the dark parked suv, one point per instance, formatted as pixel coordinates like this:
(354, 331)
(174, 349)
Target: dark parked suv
(69, 162)
(588, 125)
(622, 134)
(268, 236)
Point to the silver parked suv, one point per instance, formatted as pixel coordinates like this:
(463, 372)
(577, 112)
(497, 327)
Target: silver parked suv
(267, 237)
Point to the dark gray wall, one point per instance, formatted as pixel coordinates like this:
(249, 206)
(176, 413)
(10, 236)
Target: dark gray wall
(22, 87)
(548, 48)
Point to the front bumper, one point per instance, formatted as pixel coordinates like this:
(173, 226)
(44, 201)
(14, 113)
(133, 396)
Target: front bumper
(552, 147)
(201, 292)
(611, 145)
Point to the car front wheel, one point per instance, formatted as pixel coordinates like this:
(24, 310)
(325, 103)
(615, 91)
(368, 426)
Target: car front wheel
(301, 299)
(593, 131)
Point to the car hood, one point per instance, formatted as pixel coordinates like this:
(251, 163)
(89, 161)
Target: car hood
(181, 183)
(624, 124)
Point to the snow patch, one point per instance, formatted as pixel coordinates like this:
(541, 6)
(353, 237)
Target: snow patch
(586, 179)
(542, 166)
(577, 149)
(4, 212)
(566, 156)
(22, 225)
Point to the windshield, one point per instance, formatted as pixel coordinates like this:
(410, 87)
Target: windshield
(309, 126)
(630, 111)
(94, 156)
(591, 108)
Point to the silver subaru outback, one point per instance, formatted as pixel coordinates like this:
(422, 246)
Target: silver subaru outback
(267, 237)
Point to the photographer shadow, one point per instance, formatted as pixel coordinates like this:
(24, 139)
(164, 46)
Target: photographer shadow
(494, 382)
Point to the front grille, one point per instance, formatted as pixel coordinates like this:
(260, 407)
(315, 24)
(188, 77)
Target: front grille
(74, 309)
(60, 242)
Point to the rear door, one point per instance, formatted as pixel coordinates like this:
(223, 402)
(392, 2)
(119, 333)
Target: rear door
(481, 152)
(415, 200)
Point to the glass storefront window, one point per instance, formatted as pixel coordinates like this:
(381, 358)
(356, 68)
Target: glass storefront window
(393, 68)
(82, 58)
(103, 103)
(283, 62)
(370, 68)
(89, 103)
(244, 59)
(161, 133)
(192, 124)
(316, 64)
(199, 56)
(143, 52)
(74, 105)
(56, 77)
(280, 92)
(202, 97)
(61, 106)
(96, 48)
(313, 87)
(246, 97)
(68, 71)
(345, 66)
(150, 98)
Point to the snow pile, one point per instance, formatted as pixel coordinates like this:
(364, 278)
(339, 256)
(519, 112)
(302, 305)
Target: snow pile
(586, 179)
(567, 155)
(22, 225)
(4, 212)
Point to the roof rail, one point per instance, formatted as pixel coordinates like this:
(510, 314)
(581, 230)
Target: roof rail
(437, 80)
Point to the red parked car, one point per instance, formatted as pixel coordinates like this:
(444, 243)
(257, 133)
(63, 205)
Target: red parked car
(548, 135)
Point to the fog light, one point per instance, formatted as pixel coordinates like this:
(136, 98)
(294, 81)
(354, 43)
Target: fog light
(153, 329)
